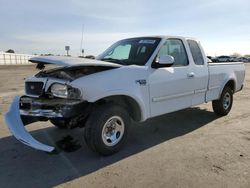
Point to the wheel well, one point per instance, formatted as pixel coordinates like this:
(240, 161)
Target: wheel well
(231, 84)
(127, 102)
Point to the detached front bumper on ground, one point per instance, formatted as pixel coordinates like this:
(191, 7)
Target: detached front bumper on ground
(16, 127)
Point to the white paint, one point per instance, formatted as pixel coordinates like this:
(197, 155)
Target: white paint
(165, 90)
(70, 61)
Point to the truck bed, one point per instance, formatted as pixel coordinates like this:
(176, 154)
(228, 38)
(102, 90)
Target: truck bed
(220, 74)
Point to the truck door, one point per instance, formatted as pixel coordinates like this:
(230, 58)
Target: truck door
(171, 87)
(200, 72)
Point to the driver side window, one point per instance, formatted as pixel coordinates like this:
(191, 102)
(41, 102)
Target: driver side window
(175, 48)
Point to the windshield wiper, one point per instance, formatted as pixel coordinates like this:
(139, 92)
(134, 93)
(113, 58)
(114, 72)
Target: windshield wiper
(114, 61)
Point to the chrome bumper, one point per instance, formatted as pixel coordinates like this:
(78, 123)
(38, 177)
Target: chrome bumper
(49, 108)
(16, 127)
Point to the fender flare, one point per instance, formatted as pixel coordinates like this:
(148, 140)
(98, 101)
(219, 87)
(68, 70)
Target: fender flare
(141, 104)
(231, 78)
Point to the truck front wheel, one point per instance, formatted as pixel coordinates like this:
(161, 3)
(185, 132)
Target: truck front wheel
(106, 129)
(223, 105)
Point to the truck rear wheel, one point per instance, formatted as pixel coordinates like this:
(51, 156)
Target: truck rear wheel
(106, 129)
(223, 105)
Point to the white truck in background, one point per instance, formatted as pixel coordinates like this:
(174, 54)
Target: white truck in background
(135, 79)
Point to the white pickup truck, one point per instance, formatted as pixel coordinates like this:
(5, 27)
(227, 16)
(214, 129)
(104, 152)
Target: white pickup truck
(135, 79)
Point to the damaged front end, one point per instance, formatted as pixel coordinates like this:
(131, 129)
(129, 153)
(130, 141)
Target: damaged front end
(49, 95)
(42, 109)
(25, 110)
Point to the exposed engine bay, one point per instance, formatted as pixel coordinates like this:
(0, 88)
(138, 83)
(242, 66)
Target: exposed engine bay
(71, 73)
(49, 95)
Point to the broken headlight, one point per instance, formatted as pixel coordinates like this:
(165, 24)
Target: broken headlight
(65, 91)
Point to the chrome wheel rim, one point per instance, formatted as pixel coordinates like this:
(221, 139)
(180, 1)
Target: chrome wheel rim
(226, 101)
(112, 131)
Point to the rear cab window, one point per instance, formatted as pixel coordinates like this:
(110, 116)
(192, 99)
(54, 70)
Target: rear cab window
(196, 52)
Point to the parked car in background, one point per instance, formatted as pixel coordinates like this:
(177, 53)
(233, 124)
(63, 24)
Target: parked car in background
(223, 58)
(233, 59)
(214, 59)
(243, 59)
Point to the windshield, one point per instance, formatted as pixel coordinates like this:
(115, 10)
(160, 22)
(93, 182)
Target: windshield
(134, 51)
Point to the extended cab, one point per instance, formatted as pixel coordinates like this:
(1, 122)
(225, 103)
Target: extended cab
(135, 79)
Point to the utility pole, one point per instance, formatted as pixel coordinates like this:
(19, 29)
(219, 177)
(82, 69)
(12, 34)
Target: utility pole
(81, 46)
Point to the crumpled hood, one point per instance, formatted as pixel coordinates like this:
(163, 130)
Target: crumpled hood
(70, 61)
(70, 68)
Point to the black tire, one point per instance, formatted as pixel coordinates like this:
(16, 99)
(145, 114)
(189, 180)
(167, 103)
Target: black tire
(59, 123)
(94, 128)
(219, 106)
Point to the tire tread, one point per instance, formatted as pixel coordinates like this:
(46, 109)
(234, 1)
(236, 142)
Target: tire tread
(93, 128)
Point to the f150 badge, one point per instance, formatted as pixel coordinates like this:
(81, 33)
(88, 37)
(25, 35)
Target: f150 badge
(141, 82)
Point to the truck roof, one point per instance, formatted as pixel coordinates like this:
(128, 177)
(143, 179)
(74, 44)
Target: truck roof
(167, 36)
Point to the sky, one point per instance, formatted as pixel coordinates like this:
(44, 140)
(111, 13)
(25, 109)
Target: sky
(47, 26)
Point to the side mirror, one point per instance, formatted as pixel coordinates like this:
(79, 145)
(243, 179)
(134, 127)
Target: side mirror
(163, 61)
(166, 60)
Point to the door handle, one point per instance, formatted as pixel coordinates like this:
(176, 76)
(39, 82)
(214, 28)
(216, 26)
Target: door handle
(191, 75)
